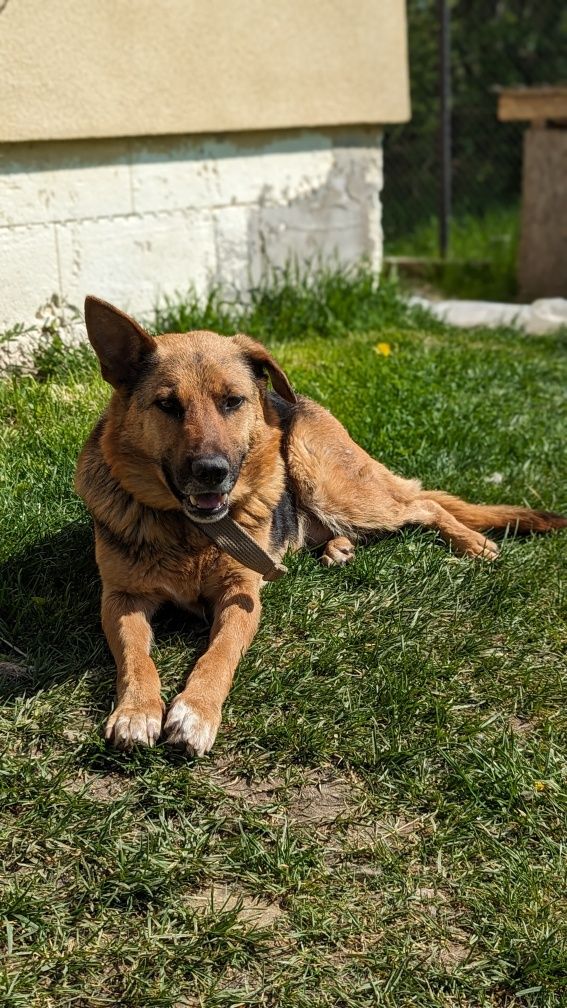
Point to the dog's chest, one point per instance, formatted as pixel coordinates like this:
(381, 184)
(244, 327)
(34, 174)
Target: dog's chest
(182, 574)
(162, 559)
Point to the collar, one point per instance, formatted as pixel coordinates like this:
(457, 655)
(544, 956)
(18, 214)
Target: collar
(231, 538)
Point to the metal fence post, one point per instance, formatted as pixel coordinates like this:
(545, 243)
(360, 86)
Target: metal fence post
(444, 20)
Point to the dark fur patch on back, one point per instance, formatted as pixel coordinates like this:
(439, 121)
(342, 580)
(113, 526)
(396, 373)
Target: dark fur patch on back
(285, 523)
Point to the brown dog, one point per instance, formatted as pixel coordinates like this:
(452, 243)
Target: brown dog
(190, 433)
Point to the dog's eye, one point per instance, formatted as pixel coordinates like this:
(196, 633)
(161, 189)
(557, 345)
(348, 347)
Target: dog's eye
(171, 406)
(232, 403)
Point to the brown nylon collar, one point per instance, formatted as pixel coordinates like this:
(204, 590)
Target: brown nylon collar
(230, 537)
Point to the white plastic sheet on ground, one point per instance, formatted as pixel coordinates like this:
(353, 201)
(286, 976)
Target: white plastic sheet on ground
(542, 316)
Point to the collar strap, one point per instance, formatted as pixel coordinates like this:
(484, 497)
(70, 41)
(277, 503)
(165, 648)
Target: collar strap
(230, 537)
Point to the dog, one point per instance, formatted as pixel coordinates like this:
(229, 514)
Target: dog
(192, 434)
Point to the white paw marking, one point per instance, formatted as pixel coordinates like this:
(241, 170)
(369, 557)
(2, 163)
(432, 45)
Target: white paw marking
(128, 729)
(187, 729)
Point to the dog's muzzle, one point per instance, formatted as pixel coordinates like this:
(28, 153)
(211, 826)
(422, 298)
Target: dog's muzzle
(209, 509)
(203, 489)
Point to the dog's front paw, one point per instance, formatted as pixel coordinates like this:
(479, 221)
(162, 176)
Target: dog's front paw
(192, 725)
(128, 726)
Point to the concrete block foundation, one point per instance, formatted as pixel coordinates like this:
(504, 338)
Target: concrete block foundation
(135, 219)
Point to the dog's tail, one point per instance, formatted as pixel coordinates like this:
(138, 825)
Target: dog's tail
(496, 516)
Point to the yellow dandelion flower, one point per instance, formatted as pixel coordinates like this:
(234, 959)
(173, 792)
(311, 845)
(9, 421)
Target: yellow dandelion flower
(384, 349)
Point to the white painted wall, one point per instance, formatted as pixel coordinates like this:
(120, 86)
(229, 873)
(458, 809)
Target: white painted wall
(131, 220)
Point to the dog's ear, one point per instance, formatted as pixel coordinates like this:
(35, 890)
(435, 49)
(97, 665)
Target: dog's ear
(258, 358)
(119, 342)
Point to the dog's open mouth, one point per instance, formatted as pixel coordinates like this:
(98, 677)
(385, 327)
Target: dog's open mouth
(206, 506)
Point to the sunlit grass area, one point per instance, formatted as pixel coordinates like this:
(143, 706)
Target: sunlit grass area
(381, 820)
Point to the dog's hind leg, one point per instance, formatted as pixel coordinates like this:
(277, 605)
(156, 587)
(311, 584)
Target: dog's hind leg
(343, 490)
(496, 516)
(350, 493)
(462, 539)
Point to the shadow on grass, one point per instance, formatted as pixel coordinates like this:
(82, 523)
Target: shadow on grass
(50, 628)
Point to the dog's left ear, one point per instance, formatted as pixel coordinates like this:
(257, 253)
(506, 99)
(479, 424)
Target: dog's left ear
(261, 362)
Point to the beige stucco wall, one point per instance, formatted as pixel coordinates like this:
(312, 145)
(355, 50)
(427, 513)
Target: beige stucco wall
(104, 68)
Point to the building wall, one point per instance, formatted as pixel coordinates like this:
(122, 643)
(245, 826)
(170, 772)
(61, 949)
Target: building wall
(131, 220)
(104, 68)
(146, 148)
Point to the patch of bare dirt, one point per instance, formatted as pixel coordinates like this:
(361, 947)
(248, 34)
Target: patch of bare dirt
(428, 900)
(521, 726)
(322, 799)
(453, 952)
(83, 724)
(446, 922)
(14, 672)
(311, 797)
(104, 788)
(253, 792)
(393, 831)
(220, 897)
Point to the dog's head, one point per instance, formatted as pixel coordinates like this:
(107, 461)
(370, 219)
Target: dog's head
(190, 406)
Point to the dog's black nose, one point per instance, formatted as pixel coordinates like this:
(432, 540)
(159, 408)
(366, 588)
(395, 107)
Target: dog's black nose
(210, 469)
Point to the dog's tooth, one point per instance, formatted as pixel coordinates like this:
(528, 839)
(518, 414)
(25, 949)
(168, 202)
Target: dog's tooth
(193, 500)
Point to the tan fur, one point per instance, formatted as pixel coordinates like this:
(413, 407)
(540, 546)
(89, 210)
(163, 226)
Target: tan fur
(148, 551)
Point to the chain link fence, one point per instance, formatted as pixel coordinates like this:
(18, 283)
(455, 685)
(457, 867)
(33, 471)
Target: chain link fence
(493, 43)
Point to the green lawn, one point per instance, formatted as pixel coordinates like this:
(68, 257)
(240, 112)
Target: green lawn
(483, 250)
(382, 818)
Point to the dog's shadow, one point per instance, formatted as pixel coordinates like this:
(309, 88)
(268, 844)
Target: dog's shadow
(50, 630)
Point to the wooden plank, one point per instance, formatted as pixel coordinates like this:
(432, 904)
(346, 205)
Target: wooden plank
(542, 264)
(532, 104)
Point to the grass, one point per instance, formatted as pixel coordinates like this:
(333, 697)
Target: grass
(382, 818)
(482, 253)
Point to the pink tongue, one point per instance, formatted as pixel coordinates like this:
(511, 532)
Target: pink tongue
(209, 501)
